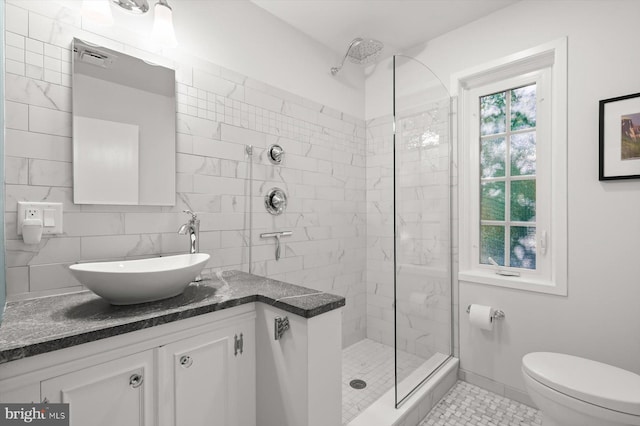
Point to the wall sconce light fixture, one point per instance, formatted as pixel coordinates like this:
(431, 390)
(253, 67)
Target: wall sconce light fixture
(163, 24)
(133, 6)
(162, 32)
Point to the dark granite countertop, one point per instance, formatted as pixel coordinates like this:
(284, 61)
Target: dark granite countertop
(36, 326)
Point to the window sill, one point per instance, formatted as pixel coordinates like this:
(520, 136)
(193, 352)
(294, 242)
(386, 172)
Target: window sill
(475, 276)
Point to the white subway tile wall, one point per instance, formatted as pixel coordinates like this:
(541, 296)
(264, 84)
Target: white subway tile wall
(219, 112)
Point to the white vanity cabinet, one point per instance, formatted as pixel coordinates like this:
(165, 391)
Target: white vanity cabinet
(228, 367)
(193, 372)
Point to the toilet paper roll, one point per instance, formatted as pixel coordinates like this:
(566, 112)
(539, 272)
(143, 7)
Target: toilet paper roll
(480, 316)
(32, 231)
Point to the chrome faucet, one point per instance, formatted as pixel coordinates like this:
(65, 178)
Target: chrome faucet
(193, 228)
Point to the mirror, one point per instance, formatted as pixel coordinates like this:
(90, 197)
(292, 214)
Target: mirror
(124, 131)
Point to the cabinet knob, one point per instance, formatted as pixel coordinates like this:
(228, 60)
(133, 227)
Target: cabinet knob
(135, 381)
(186, 361)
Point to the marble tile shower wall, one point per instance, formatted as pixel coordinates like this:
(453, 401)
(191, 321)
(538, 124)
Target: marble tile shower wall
(379, 278)
(422, 210)
(219, 112)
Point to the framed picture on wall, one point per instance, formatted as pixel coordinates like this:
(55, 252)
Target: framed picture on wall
(620, 138)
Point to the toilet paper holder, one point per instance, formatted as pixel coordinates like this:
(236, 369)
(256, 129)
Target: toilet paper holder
(496, 315)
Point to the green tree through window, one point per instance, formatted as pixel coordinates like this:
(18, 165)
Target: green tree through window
(508, 177)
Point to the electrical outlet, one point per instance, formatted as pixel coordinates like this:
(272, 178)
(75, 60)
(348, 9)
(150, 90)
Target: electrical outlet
(49, 213)
(32, 213)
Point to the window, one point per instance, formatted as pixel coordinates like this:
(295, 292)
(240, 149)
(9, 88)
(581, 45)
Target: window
(507, 121)
(512, 163)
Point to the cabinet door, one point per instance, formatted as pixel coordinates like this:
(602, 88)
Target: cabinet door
(203, 378)
(118, 392)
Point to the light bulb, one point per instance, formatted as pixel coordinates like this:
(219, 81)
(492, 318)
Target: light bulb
(163, 32)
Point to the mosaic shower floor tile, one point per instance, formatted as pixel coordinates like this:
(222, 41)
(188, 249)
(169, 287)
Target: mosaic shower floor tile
(372, 362)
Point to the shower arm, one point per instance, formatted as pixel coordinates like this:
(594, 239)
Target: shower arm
(336, 70)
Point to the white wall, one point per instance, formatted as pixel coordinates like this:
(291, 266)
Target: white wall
(600, 318)
(247, 39)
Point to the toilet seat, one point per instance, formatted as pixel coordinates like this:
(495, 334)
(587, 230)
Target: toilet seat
(589, 381)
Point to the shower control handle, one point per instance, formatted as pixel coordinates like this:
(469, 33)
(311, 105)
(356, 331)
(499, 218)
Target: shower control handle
(275, 201)
(276, 153)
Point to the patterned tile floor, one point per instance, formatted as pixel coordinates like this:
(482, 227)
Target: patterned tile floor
(469, 405)
(372, 362)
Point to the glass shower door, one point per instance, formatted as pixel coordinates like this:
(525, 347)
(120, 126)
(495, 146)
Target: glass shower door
(422, 224)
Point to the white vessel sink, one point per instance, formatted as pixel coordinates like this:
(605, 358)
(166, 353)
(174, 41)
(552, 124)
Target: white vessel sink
(139, 281)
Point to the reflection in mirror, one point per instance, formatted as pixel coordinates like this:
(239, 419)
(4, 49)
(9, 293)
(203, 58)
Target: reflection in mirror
(124, 132)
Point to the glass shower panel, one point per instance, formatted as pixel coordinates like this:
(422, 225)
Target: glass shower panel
(422, 239)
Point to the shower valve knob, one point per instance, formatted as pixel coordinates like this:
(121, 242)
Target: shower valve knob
(276, 153)
(275, 201)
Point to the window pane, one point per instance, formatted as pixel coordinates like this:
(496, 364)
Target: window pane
(523, 200)
(492, 201)
(493, 117)
(523, 247)
(492, 157)
(523, 108)
(523, 154)
(492, 244)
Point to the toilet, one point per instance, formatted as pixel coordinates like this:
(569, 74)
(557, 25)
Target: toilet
(573, 391)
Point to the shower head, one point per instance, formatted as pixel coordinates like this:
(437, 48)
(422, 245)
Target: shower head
(361, 51)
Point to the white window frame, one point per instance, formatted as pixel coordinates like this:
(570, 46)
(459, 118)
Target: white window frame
(546, 65)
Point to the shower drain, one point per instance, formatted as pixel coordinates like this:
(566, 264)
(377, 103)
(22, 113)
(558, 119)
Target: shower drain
(358, 384)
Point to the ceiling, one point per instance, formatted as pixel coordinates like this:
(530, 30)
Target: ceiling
(399, 24)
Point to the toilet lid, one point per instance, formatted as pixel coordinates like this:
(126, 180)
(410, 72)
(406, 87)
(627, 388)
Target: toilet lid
(590, 381)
